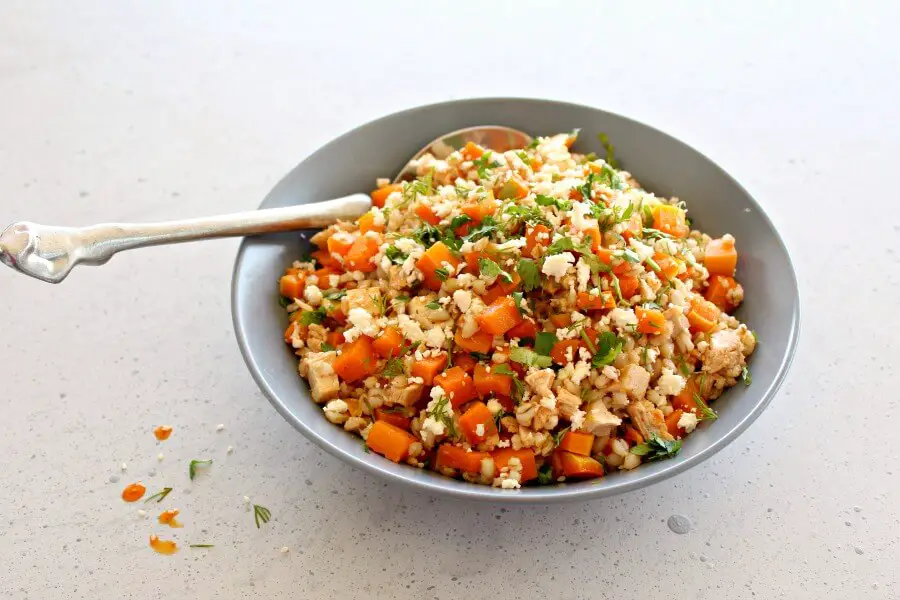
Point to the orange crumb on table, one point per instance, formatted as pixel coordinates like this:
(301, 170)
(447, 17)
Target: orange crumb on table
(133, 492)
(163, 432)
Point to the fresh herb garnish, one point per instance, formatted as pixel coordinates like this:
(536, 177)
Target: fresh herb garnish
(543, 200)
(518, 386)
(746, 377)
(529, 357)
(442, 414)
(159, 496)
(559, 435)
(284, 301)
(335, 294)
(200, 546)
(630, 256)
(311, 317)
(755, 337)
(394, 365)
(442, 273)
(487, 226)
(544, 342)
(458, 221)
(192, 468)
(683, 366)
(617, 289)
(545, 474)
(609, 178)
(483, 164)
(489, 268)
(706, 413)
(587, 340)
(421, 186)
(433, 305)
(609, 345)
(530, 274)
(479, 356)
(395, 255)
(587, 188)
(402, 298)
(326, 347)
(261, 513)
(534, 144)
(610, 157)
(655, 234)
(517, 298)
(656, 448)
(427, 235)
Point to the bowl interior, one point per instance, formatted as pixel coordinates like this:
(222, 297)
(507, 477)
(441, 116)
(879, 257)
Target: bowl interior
(665, 166)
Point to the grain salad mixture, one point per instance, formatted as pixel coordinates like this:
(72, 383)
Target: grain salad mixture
(521, 318)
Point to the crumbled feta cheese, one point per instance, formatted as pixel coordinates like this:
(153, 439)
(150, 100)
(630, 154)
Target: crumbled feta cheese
(579, 217)
(334, 280)
(518, 242)
(583, 273)
(436, 393)
(337, 405)
(688, 421)
(418, 380)
(557, 265)
(433, 426)
(623, 317)
(670, 383)
(378, 217)
(503, 444)
(582, 370)
(611, 372)
(479, 429)
(463, 300)
(435, 337)
(509, 484)
(577, 419)
(407, 245)
(548, 402)
(641, 249)
(220, 427)
(410, 328)
(362, 320)
(494, 406)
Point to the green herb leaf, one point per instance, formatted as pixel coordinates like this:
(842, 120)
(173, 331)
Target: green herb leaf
(534, 144)
(484, 229)
(530, 274)
(628, 211)
(517, 298)
(559, 435)
(683, 366)
(544, 342)
(433, 305)
(326, 347)
(755, 337)
(159, 496)
(201, 546)
(458, 221)
(617, 289)
(442, 273)
(746, 377)
(529, 357)
(705, 412)
(479, 356)
(261, 513)
(656, 448)
(562, 244)
(284, 301)
(395, 255)
(335, 294)
(484, 164)
(488, 267)
(543, 200)
(310, 317)
(609, 345)
(630, 256)
(441, 414)
(587, 188)
(610, 151)
(427, 235)
(655, 234)
(192, 468)
(587, 341)
(545, 474)
(609, 178)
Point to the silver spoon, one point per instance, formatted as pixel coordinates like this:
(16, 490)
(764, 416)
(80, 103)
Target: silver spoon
(48, 253)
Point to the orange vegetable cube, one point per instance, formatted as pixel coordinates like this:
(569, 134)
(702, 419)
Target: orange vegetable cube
(684, 400)
(477, 415)
(633, 436)
(393, 417)
(513, 188)
(500, 316)
(367, 223)
(650, 321)
(563, 350)
(356, 360)
(340, 243)
(539, 235)
(427, 368)
(465, 362)
(526, 329)
(472, 151)
(424, 212)
(670, 219)
(629, 285)
(389, 343)
(721, 257)
(487, 383)
(561, 320)
(577, 442)
(457, 384)
(578, 467)
(291, 286)
(359, 256)
(434, 259)
(596, 237)
(672, 423)
(526, 457)
(459, 459)
(718, 291)
(603, 300)
(389, 441)
(703, 316)
(324, 258)
(480, 342)
(380, 195)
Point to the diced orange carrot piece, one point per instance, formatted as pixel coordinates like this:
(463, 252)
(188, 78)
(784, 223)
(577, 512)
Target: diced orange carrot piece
(359, 257)
(578, 467)
(394, 417)
(424, 212)
(480, 342)
(629, 286)
(539, 235)
(596, 237)
(577, 442)
(500, 316)
(380, 195)
(487, 383)
(669, 219)
(389, 343)
(477, 414)
(459, 458)
(465, 361)
(602, 301)
(472, 151)
(561, 320)
(526, 457)
(391, 442)
(560, 352)
(650, 320)
(721, 257)
(324, 258)
(356, 359)
(457, 384)
(473, 257)
(526, 329)
(703, 316)
(605, 255)
(367, 223)
(672, 423)
(493, 293)
(634, 228)
(427, 368)
(632, 435)
(340, 244)
(478, 211)
(291, 286)
(513, 188)
(669, 265)
(684, 400)
(434, 259)
(717, 292)
(335, 338)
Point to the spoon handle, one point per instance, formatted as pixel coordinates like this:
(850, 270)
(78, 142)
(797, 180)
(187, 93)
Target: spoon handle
(49, 253)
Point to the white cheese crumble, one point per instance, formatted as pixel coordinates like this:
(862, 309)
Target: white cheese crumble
(557, 265)
(688, 421)
(583, 273)
(579, 217)
(363, 321)
(435, 337)
(669, 383)
(411, 329)
(463, 300)
(479, 429)
(337, 405)
(623, 317)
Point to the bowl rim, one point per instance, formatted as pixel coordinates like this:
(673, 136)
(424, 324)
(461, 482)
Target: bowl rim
(548, 494)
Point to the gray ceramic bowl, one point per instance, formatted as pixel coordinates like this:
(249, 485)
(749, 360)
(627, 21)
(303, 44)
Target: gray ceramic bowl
(717, 203)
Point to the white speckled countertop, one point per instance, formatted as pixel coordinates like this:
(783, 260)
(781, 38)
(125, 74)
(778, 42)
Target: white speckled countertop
(153, 110)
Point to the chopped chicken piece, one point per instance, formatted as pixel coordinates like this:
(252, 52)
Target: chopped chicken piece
(540, 382)
(649, 420)
(427, 317)
(315, 337)
(567, 403)
(404, 393)
(599, 420)
(368, 299)
(323, 381)
(634, 380)
(725, 351)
